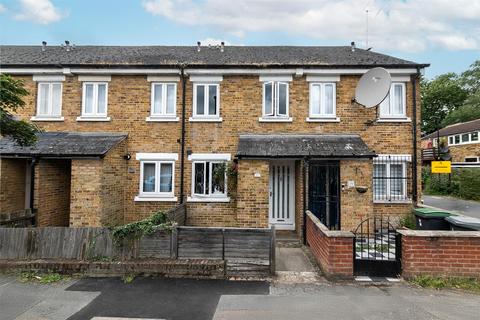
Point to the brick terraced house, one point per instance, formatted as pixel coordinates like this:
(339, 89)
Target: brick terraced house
(246, 136)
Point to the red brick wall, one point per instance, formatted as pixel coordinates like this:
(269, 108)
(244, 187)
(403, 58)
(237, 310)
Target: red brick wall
(333, 250)
(437, 253)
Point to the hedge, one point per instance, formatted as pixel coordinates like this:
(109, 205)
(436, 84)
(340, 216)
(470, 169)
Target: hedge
(463, 183)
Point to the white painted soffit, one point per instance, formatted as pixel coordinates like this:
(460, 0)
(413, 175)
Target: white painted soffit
(194, 71)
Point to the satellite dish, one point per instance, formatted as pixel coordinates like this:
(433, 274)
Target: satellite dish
(373, 87)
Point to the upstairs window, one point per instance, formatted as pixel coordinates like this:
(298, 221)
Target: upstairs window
(322, 100)
(394, 105)
(49, 100)
(94, 100)
(163, 100)
(464, 138)
(206, 102)
(275, 100)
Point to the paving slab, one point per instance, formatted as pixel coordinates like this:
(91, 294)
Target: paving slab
(292, 259)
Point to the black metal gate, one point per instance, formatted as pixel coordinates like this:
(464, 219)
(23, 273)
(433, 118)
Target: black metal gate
(377, 248)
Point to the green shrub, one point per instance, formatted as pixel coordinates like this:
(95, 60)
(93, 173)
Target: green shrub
(135, 230)
(463, 183)
(408, 221)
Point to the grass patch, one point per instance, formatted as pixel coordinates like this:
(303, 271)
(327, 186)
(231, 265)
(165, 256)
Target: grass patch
(468, 284)
(44, 278)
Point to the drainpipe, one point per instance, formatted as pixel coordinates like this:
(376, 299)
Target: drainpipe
(414, 133)
(182, 156)
(304, 227)
(32, 189)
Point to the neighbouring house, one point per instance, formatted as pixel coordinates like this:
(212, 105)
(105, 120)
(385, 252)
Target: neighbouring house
(460, 141)
(246, 136)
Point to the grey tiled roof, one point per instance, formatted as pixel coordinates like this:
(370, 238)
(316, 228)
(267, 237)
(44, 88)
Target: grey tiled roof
(298, 145)
(64, 144)
(174, 55)
(457, 128)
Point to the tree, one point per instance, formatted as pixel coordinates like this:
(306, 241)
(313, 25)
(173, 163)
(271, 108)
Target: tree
(470, 79)
(440, 96)
(11, 99)
(470, 110)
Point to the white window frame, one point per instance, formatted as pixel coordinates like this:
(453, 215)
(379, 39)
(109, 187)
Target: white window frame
(205, 117)
(49, 116)
(163, 116)
(95, 116)
(158, 159)
(404, 160)
(322, 114)
(211, 159)
(275, 102)
(391, 98)
(470, 141)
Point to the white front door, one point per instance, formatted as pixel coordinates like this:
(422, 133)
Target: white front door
(282, 195)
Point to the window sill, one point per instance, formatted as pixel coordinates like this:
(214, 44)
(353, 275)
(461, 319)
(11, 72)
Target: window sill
(94, 119)
(383, 120)
(153, 198)
(208, 199)
(40, 118)
(319, 119)
(198, 119)
(407, 201)
(161, 119)
(273, 119)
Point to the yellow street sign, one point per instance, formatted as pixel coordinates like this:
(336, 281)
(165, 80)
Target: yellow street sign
(441, 167)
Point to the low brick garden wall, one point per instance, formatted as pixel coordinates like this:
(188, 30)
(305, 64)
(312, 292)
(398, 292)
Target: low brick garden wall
(440, 253)
(333, 250)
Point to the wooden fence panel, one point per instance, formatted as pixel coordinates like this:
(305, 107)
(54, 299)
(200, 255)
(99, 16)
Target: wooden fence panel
(200, 243)
(245, 251)
(157, 245)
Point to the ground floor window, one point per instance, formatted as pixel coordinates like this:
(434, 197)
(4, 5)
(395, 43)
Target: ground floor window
(209, 177)
(157, 172)
(390, 178)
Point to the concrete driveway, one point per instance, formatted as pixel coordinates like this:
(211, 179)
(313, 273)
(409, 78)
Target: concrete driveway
(465, 207)
(159, 298)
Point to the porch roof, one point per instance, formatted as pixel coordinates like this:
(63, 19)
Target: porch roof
(63, 145)
(303, 145)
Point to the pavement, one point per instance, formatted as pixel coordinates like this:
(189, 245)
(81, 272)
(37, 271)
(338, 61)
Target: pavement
(163, 298)
(465, 207)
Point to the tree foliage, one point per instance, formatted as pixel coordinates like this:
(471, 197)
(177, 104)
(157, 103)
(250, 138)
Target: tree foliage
(440, 96)
(12, 92)
(451, 98)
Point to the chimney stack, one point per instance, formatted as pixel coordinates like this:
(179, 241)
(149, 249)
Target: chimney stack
(222, 46)
(353, 46)
(44, 45)
(198, 46)
(67, 45)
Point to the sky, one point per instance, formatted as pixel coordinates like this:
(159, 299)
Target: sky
(444, 33)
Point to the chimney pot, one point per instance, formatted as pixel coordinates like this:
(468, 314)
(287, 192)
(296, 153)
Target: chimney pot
(222, 46)
(198, 46)
(44, 45)
(353, 46)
